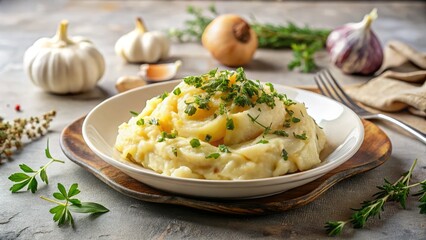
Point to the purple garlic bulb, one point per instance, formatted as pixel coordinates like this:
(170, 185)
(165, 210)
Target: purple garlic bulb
(354, 48)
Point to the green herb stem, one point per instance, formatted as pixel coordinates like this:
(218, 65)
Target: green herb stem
(54, 201)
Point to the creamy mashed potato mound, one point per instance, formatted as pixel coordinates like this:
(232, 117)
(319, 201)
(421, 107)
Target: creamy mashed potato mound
(222, 126)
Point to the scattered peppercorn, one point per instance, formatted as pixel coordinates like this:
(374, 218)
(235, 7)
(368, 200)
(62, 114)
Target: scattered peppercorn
(13, 134)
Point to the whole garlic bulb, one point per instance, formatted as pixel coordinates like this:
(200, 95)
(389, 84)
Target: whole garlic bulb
(64, 64)
(140, 45)
(354, 47)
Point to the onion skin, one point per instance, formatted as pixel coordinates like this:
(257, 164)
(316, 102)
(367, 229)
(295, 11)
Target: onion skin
(230, 40)
(354, 48)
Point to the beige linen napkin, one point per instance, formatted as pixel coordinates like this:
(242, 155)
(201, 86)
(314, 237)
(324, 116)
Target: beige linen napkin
(401, 84)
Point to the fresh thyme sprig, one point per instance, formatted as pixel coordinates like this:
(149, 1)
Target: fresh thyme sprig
(397, 192)
(62, 212)
(23, 179)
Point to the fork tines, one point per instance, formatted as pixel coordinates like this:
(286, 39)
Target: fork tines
(329, 87)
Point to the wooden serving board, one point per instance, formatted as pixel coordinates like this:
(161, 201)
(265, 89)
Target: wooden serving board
(374, 151)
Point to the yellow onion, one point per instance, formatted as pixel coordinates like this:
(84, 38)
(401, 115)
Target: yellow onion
(354, 48)
(230, 40)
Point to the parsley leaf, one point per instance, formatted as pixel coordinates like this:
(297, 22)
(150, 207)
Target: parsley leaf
(164, 95)
(263, 141)
(195, 143)
(140, 122)
(190, 109)
(22, 179)
(300, 136)
(62, 212)
(213, 155)
(223, 148)
(284, 154)
(229, 124)
(177, 91)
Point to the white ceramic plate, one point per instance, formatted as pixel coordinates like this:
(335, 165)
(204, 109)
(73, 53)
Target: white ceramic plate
(342, 126)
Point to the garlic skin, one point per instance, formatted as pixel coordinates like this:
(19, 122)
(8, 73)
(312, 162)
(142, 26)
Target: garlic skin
(140, 45)
(354, 48)
(64, 64)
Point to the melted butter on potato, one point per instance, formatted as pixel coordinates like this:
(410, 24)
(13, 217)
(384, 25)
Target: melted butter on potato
(243, 130)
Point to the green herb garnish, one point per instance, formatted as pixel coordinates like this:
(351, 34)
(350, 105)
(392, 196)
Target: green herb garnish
(195, 143)
(229, 124)
(300, 136)
(177, 91)
(140, 122)
(163, 95)
(263, 141)
(134, 114)
(190, 109)
(174, 150)
(397, 192)
(281, 133)
(295, 119)
(224, 148)
(62, 212)
(213, 155)
(165, 135)
(23, 179)
(284, 154)
(266, 130)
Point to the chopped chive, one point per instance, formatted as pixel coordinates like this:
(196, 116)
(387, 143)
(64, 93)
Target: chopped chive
(177, 91)
(190, 110)
(140, 122)
(195, 143)
(134, 114)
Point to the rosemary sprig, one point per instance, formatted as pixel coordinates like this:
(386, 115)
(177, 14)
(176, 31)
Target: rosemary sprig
(62, 212)
(22, 179)
(284, 36)
(397, 192)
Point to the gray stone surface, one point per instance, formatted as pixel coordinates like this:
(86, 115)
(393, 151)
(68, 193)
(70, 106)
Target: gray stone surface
(25, 216)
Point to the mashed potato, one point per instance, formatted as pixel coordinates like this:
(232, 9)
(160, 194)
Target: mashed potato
(221, 125)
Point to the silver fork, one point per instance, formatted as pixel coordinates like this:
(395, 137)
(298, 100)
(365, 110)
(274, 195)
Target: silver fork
(330, 88)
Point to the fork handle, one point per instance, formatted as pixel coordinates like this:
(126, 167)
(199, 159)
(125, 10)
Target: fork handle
(418, 134)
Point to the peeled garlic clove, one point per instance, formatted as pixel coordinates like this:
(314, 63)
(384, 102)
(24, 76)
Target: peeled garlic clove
(159, 72)
(354, 48)
(125, 83)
